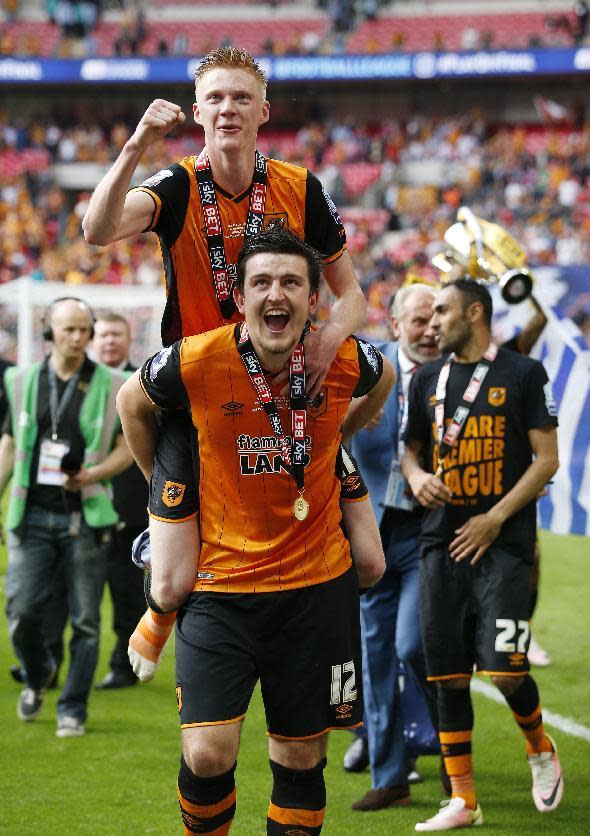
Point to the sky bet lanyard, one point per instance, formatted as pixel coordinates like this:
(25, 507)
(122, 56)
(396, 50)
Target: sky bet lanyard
(446, 440)
(293, 452)
(224, 274)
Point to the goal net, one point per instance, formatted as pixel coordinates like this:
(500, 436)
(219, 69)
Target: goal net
(24, 301)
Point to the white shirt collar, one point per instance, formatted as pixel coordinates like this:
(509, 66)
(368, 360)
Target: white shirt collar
(405, 364)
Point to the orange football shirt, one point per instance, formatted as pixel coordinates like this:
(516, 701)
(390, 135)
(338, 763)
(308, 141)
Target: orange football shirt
(251, 541)
(295, 198)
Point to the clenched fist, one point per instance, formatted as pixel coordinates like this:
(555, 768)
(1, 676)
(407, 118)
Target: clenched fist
(158, 120)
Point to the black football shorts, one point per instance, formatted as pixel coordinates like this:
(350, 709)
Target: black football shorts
(474, 615)
(174, 493)
(302, 644)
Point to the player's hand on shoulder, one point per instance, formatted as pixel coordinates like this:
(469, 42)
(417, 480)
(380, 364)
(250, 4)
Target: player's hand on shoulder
(475, 537)
(319, 355)
(158, 120)
(429, 490)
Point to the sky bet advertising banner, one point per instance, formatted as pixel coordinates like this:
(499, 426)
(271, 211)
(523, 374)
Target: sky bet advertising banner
(418, 66)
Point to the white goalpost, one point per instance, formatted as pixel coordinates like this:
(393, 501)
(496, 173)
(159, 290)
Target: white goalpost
(24, 301)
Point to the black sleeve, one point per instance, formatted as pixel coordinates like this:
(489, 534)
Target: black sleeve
(161, 379)
(352, 484)
(172, 186)
(418, 425)
(539, 402)
(370, 367)
(323, 227)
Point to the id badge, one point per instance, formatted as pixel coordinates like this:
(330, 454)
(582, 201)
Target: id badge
(398, 493)
(51, 453)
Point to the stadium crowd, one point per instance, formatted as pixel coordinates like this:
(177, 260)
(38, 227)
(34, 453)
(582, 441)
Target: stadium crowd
(81, 28)
(277, 280)
(535, 181)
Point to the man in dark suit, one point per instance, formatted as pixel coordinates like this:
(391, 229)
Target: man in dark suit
(390, 609)
(112, 338)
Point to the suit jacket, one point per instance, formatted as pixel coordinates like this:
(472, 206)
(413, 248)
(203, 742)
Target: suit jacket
(374, 449)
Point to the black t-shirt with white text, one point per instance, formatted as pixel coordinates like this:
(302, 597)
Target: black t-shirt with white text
(493, 450)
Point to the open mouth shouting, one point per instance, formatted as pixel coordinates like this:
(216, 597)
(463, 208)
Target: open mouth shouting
(277, 319)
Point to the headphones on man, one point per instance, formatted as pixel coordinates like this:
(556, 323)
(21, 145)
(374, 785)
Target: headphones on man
(46, 319)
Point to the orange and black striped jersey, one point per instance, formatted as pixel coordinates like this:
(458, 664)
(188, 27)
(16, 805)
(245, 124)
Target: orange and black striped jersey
(251, 541)
(295, 198)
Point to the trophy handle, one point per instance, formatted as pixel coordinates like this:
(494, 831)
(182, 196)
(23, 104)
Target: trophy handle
(516, 285)
(466, 216)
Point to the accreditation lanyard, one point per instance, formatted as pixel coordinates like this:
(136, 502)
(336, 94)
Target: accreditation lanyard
(402, 405)
(447, 439)
(57, 405)
(292, 451)
(223, 274)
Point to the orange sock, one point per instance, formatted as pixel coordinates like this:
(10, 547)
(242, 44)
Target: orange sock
(456, 750)
(203, 819)
(534, 732)
(207, 805)
(525, 705)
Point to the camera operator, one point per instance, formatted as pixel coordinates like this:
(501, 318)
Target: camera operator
(62, 443)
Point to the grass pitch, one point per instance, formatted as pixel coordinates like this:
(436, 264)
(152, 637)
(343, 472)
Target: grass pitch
(121, 777)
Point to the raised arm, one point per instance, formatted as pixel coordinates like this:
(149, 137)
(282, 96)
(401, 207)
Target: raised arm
(532, 330)
(113, 213)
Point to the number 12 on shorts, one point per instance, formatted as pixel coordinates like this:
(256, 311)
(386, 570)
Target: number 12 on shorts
(508, 629)
(343, 687)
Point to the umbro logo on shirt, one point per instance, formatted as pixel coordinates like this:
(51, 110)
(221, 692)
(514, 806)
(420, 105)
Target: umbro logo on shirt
(232, 408)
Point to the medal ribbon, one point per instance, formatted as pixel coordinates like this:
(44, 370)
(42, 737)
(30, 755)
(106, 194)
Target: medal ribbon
(447, 439)
(292, 451)
(224, 274)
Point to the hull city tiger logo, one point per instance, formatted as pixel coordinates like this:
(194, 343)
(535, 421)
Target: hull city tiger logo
(279, 220)
(179, 698)
(173, 493)
(497, 395)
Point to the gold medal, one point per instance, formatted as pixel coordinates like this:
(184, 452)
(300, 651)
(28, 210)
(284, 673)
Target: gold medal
(300, 508)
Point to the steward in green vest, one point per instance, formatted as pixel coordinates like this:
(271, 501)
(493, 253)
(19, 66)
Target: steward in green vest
(98, 421)
(61, 443)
